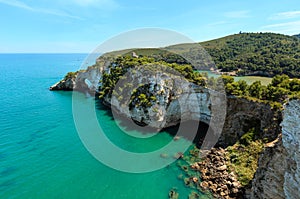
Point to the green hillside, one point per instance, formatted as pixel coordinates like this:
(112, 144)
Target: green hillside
(265, 54)
(260, 54)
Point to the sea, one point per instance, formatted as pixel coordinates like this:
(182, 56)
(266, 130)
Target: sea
(41, 153)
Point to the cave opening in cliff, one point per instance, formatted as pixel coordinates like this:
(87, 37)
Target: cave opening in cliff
(194, 131)
(197, 138)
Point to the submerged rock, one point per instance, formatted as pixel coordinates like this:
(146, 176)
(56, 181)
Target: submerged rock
(194, 195)
(173, 194)
(164, 155)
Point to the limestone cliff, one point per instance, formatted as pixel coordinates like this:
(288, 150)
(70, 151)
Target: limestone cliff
(84, 80)
(67, 84)
(170, 99)
(278, 173)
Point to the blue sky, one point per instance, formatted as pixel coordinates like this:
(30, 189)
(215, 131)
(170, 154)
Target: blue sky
(81, 25)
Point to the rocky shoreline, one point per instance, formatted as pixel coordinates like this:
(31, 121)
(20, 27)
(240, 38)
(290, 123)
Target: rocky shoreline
(216, 177)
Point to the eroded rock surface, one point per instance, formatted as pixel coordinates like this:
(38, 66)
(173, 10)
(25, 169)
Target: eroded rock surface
(85, 80)
(278, 170)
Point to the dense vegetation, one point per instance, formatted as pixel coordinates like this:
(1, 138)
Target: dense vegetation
(70, 75)
(265, 54)
(123, 64)
(280, 89)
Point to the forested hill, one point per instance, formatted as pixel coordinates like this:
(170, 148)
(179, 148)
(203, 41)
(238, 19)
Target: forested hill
(262, 54)
(297, 36)
(265, 54)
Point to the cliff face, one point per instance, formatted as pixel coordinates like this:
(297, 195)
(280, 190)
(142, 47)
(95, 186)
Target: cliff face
(170, 98)
(67, 84)
(269, 177)
(291, 142)
(243, 115)
(278, 173)
(85, 80)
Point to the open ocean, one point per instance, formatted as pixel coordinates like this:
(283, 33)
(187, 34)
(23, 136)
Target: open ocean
(41, 155)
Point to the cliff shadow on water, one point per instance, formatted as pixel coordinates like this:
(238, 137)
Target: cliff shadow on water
(191, 130)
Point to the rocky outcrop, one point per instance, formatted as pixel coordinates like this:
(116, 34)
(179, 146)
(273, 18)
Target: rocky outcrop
(278, 170)
(215, 176)
(67, 84)
(84, 80)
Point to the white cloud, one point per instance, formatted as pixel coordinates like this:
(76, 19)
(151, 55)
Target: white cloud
(219, 23)
(289, 28)
(238, 14)
(105, 4)
(22, 5)
(286, 15)
(15, 3)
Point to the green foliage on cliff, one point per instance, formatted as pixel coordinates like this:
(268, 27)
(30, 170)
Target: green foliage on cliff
(70, 75)
(247, 53)
(142, 97)
(116, 70)
(243, 156)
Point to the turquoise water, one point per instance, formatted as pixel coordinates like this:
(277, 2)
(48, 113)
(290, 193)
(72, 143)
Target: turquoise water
(41, 155)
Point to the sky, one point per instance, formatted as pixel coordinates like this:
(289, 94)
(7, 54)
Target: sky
(79, 26)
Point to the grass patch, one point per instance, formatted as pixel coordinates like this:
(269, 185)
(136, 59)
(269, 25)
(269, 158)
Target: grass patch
(244, 156)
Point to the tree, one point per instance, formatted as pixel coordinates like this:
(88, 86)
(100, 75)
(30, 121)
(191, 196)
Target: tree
(227, 79)
(277, 94)
(281, 81)
(255, 90)
(243, 87)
